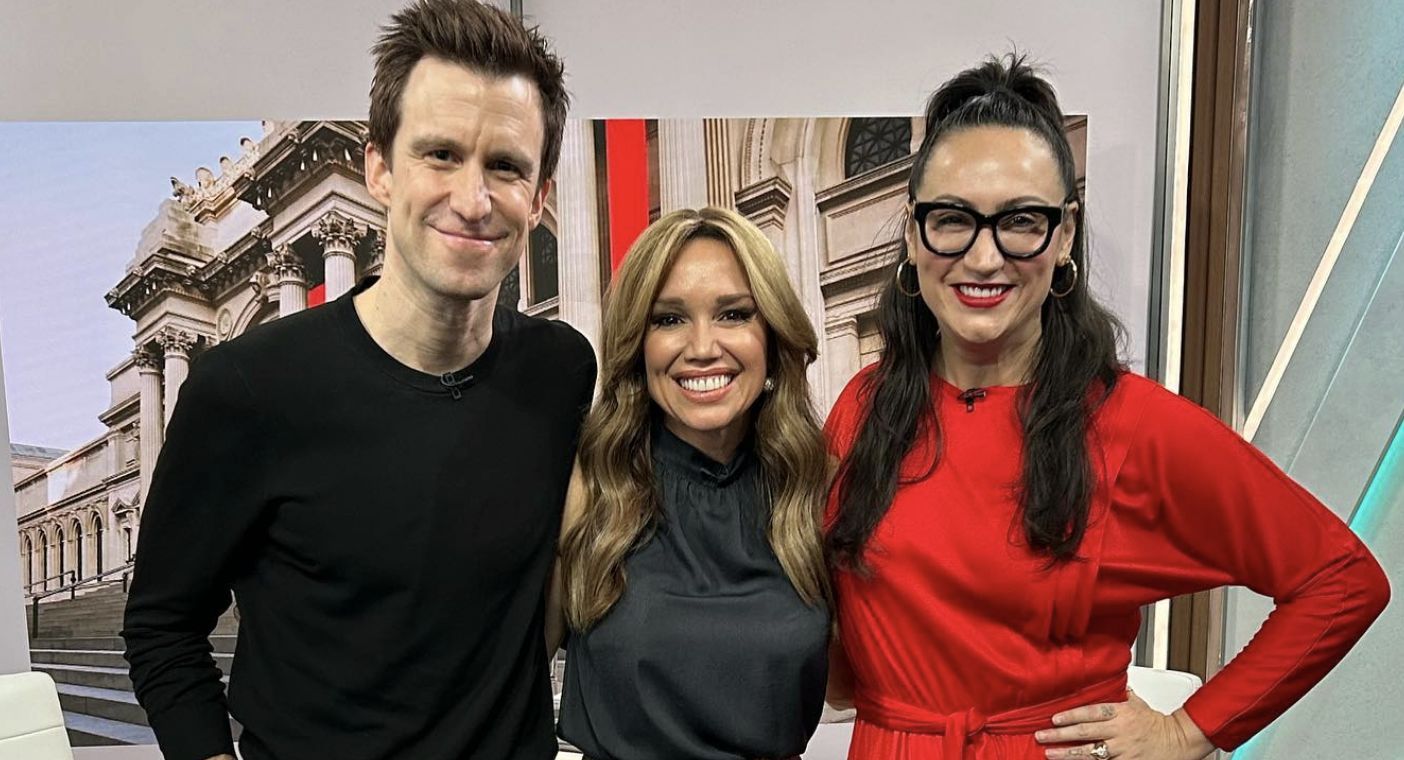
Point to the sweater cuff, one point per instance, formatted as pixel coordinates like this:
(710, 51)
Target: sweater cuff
(193, 731)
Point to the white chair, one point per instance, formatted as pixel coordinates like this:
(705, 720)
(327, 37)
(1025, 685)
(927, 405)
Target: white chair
(1163, 690)
(31, 721)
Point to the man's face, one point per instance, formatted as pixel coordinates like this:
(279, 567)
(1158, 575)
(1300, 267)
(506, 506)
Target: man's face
(461, 184)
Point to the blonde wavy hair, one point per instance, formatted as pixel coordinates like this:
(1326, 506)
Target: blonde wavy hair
(621, 503)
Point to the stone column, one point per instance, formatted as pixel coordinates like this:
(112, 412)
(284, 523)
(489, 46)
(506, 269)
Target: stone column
(111, 557)
(72, 554)
(682, 164)
(719, 192)
(578, 233)
(338, 234)
(151, 416)
(46, 559)
(176, 343)
(802, 249)
(54, 552)
(844, 357)
(291, 277)
(788, 216)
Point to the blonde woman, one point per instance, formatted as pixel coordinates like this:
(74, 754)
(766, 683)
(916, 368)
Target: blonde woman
(690, 571)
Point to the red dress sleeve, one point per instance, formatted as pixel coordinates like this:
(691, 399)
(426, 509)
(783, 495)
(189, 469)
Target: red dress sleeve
(1230, 516)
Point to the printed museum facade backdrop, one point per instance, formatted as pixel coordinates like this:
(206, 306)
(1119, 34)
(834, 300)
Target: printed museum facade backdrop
(286, 224)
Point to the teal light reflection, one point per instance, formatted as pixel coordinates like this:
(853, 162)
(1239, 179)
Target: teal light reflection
(1384, 487)
(1383, 490)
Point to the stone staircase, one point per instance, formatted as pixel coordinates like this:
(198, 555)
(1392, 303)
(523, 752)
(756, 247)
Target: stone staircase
(79, 646)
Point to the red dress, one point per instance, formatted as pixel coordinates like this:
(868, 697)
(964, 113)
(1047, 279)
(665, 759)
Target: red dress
(963, 642)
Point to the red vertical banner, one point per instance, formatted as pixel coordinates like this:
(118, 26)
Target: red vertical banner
(626, 152)
(317, 296)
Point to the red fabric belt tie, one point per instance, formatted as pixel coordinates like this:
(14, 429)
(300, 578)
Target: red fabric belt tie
(958, 728)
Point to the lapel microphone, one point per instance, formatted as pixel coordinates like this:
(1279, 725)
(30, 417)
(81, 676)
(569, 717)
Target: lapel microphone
(454, 383)
(970, 397)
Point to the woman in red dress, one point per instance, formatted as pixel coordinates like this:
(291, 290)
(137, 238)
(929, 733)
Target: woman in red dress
(1009, 496)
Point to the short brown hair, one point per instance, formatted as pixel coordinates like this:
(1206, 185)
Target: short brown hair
(472, 34)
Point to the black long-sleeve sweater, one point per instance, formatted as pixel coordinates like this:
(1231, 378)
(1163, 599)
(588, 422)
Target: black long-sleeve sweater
(387, 539)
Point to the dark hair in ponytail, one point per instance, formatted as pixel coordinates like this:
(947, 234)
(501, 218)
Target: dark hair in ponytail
(1075, 367)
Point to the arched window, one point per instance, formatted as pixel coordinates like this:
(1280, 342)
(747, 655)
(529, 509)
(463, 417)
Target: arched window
(510, 291)
(27, 564)
(58, 548)
(97, 544)
(541, 253)
(75, 540)
(37, 583)
(875, 142)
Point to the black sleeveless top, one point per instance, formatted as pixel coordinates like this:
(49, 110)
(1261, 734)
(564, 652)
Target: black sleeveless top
(709, 653)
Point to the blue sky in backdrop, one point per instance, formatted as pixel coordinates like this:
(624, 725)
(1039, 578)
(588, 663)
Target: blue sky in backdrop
(74, 198)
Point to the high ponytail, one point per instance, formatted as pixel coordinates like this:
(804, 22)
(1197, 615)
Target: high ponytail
(1005, 92)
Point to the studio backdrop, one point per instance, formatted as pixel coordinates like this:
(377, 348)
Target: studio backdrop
(141, 233)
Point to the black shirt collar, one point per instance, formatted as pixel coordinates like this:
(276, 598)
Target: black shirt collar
(480, 368)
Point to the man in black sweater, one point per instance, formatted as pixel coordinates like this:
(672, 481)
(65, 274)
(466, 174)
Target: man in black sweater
(379, 481)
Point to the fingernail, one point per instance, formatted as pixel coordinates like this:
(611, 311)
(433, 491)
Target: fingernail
(1057, 720)
(1040, 735)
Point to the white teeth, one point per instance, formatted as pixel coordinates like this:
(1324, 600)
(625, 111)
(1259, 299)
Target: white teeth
(975, 292)
(704, 384)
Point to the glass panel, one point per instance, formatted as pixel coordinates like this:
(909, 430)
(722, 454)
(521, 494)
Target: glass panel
(1332, 418)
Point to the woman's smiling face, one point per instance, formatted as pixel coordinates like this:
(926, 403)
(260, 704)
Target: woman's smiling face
(705, 348)
(982, 298)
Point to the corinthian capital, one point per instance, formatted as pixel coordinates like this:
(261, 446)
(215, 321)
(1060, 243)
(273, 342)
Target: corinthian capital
(176, 341)
(336, 230)
(146, 359)
(377, 247)
(286, 264)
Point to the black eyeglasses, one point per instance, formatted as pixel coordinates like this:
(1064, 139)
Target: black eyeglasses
(1022, 232)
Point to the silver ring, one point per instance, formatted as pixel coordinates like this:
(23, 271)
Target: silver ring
(1100, 751)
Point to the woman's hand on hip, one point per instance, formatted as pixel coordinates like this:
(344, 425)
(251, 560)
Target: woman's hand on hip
(1130, 730)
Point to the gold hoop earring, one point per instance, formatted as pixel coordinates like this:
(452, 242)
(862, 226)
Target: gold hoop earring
(1071, 286)
(902, 290)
